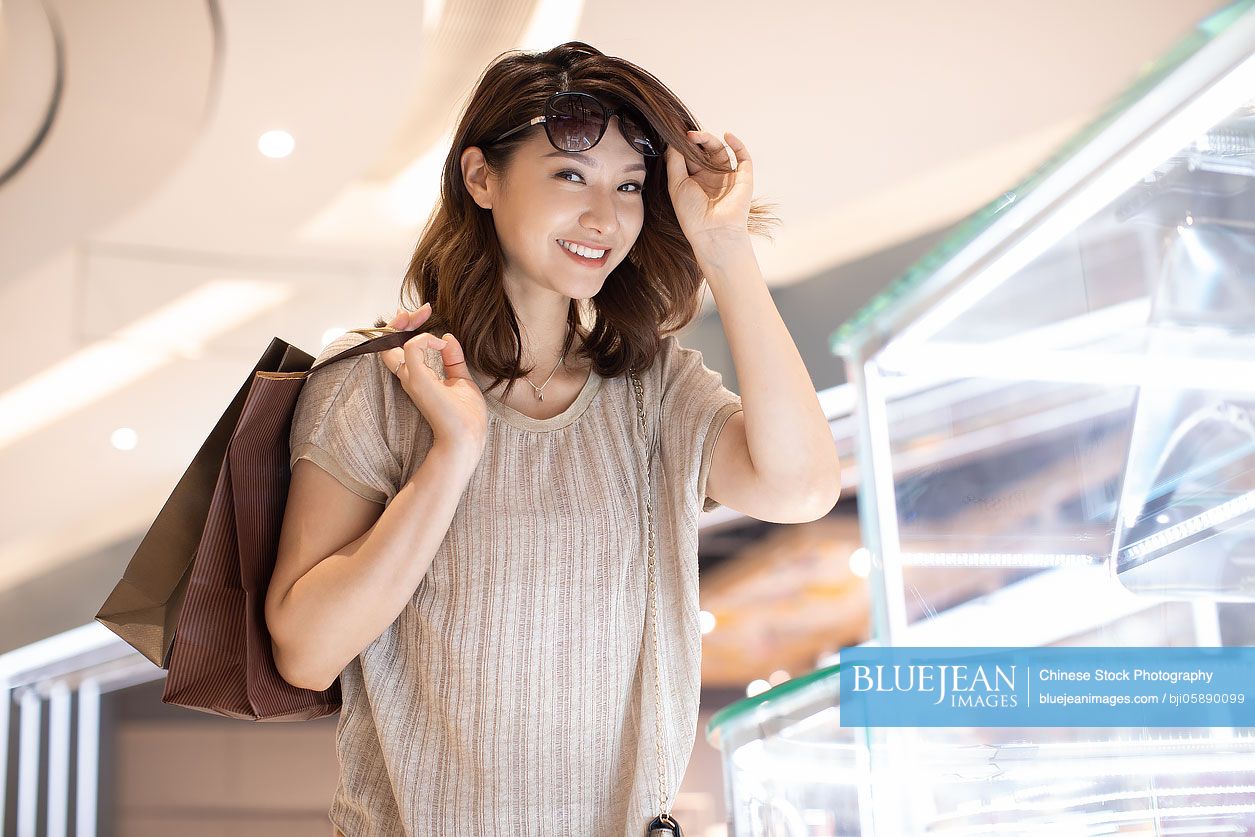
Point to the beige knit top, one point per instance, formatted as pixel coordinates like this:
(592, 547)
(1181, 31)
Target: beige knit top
(513, 694)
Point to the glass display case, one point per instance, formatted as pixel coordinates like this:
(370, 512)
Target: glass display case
(791, 770)
(1056, 446)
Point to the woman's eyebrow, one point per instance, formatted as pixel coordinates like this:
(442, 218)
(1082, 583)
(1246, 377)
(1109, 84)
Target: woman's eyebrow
(591, 161)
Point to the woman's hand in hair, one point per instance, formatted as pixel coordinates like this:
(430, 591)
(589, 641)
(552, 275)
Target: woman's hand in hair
(711, 206)
(454, 407)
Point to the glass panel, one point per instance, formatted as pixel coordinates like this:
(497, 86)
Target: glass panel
(882, 313)
(1120, 359)
(1080, 390)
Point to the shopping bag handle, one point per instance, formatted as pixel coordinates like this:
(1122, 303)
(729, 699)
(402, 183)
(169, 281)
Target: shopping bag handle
(390, 338)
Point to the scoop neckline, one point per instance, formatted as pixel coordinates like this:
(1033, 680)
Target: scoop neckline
(523, 421)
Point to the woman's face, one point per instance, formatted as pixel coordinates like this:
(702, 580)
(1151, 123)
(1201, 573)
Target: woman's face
(549, 196)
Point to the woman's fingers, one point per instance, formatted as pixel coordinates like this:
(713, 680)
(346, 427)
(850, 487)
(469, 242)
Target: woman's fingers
(392, 359)
(386, 359)
(714, 146)
(454, 359)
(415, 351)
(407, 320)
(410, 352)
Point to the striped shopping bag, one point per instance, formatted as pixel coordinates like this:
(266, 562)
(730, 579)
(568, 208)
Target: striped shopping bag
(192, 598)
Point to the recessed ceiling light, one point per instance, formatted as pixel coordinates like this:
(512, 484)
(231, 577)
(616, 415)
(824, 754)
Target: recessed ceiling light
(276, 144)
(124, 438)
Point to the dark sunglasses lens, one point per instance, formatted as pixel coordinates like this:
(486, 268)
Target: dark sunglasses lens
(638, 136)
(574, 123)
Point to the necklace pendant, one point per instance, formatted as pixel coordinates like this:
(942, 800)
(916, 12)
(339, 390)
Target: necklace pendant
(540, 396)
(663, 825)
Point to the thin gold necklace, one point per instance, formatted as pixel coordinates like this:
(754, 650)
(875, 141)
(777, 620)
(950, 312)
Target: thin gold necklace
(539, 389)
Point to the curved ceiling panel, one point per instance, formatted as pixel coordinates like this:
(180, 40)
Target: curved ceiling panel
(32, 77)
(101, 102)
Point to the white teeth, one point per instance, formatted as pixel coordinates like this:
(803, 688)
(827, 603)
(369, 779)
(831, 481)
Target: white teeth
(583, 251)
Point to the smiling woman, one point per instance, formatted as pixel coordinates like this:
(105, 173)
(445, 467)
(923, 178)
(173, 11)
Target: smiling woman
(495, 677)
(611, 195)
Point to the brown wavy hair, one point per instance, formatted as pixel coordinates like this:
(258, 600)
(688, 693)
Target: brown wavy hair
(458, 263)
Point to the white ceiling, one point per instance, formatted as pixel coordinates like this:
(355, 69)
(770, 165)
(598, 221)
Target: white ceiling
(131, 131)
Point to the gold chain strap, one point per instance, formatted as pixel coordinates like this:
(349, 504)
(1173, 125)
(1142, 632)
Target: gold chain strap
(649, 510)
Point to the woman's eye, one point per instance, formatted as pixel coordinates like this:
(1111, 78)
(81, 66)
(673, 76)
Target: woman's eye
(640, 187)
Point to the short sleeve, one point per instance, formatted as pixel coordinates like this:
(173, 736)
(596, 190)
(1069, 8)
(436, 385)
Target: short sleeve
(695, 406)
(342, 424)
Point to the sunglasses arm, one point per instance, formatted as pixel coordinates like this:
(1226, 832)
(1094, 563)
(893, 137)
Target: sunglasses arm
(513, 131)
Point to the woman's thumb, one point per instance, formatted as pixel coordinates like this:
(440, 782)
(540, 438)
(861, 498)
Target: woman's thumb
(454, 358)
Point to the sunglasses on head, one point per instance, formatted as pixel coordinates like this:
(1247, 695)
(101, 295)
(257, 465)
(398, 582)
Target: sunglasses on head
(577, 121)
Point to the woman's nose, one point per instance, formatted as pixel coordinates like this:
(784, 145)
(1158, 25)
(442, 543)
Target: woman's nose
(602, 216)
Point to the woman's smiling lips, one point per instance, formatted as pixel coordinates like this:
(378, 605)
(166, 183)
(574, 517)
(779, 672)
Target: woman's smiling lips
(580, 259)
